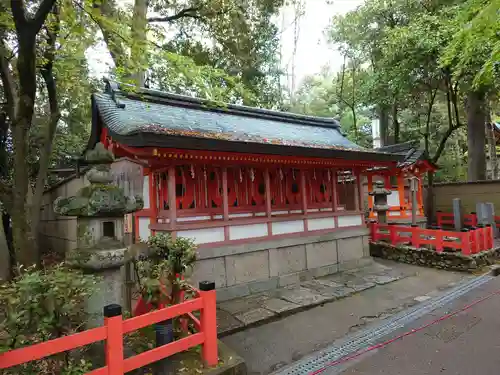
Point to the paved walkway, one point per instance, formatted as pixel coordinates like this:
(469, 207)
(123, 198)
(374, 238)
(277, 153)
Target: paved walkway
(271, 346)
(242, 313)
(465, 344)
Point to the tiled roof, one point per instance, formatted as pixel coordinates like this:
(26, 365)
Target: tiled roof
(150, 118)
(134, 115)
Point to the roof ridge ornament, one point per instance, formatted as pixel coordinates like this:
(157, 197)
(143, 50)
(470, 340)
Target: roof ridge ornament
(113, 87)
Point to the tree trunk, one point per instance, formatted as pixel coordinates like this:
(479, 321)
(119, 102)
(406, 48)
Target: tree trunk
(139, 50)
(22, 236)
(384, 125)
(429, 199)
(395, 122)
(492, 150)
(476, 136)
(4, 254)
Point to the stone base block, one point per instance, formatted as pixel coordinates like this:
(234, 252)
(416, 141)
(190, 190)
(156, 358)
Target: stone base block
(239, 272)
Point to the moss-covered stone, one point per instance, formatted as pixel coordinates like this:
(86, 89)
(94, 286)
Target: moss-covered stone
(98, 200)
(99, 155)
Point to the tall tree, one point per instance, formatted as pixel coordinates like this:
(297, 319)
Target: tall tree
(239, 41)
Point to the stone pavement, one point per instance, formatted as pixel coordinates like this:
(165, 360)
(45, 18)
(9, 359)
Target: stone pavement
(271, 346)
(242, 313)
(464, 344)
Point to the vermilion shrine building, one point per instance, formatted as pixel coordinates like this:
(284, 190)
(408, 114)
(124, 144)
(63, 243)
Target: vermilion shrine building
(413, 165)
(269, 197)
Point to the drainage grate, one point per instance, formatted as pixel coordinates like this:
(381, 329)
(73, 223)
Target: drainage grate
(372, 335)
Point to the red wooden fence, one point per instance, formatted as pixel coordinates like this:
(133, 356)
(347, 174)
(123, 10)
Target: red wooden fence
(446, 219)
(468, 241)
(115, 327)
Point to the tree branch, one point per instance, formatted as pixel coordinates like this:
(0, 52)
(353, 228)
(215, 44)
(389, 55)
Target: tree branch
(188, 12)
(7, 81)
(451, 127)
(18, 13)
(55, 114)
(41, 14)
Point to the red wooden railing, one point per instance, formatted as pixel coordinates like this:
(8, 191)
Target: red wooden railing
(468, 241)
(446, 219)
(115, 327)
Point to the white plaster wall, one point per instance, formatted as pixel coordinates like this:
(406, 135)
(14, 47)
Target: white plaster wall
(296, 211)
(247, 231)
(260, 214)
(144, 231)
(321, 223)
(326, 209)
(280, 212)
(282, 227)
(313, 210)
(145, 191)
(193, 218)
(246, 214)
(200, 236)
(351, 220)
(393, 199)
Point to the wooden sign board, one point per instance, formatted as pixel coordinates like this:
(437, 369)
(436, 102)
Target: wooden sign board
(127, 224)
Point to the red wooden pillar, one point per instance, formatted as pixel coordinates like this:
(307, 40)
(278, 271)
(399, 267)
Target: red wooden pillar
(369, 186)
(420, 198)
(153, 201)
(172, 201)
(401, 194)
(334, 197)
(359, 192)
(269, 211)
(225, 204)
(387, 181)
(303, 190)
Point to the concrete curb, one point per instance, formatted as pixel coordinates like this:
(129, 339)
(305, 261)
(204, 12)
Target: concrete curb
(284, 314)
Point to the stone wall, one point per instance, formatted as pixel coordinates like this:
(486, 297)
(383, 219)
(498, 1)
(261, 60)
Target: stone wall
(251, 268)
(469, 193)
(58, 233)
(431, 258)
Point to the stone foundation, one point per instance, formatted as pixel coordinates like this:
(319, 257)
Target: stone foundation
(431, 258)
(252, 268)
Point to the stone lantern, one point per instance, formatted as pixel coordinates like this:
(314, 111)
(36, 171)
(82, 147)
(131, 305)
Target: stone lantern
(380, 205)
(100, 208)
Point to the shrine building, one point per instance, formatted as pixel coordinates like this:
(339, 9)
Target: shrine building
(270, 198)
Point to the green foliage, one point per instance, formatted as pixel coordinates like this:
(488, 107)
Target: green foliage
(160, 273)
(474, 51)
(40, 305)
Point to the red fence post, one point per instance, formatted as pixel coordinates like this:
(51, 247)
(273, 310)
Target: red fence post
(208, 321)
(439, 218)
(481, 241)
(489, 236)
(473, 219)
(114, 341)
(438, 238)
(465, 241)
(373, 231)
(473, 239)
(415, 235)
(393, 234)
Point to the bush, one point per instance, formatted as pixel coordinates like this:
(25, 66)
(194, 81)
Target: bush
(40, 305)
(160, 274)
